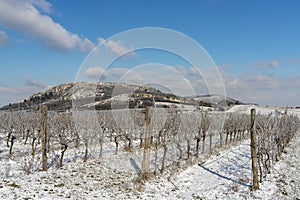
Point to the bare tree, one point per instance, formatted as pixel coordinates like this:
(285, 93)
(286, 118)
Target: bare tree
(87, 127)
(274, 132)
(190, 123)
(168, 132)
(205, 123)
(11, 145)
(44, 136)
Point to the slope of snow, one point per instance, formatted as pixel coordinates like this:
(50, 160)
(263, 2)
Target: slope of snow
(246, 109)
(294, 112)
(213, 98)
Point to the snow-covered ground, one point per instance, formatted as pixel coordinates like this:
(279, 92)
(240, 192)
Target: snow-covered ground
(224, 175)
(228, 176)
(245, 109)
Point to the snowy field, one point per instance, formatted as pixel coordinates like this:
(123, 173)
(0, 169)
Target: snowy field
(224, 175)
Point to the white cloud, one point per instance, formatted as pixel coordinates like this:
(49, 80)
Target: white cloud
(15, 94)
(267, 65)
(24, 16)
(181, 70)
(263, 89)
(117, 72)
(195, 72)
(113, 74)
(94, 72)
(4, 40)
(42, 4)
(5, 89)
(32, 83)
(117, 47)
(164, 76)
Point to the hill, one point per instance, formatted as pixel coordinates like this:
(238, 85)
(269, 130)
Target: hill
(104, 96)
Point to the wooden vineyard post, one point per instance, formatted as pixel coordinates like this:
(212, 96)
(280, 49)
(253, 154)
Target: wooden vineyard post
(255, 185)
(146, 155)
(44, 136)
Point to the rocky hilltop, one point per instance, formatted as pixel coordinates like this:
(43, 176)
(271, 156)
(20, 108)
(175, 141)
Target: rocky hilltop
(86, 95)
(104, 96)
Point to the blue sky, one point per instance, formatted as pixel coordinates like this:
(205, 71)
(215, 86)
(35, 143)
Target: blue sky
(255, 44)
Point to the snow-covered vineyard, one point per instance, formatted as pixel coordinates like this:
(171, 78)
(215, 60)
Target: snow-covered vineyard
(156, 154)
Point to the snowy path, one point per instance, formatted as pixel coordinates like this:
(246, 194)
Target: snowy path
(219, 175)
(228, 176)
(212, 179)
